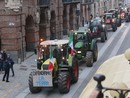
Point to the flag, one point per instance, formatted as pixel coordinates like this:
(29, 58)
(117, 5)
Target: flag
(71, 44)
(51, 63)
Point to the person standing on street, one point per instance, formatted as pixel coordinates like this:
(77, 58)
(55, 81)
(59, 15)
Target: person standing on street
(11, 62)
(4, 55)
(6, 65)
(1, 63)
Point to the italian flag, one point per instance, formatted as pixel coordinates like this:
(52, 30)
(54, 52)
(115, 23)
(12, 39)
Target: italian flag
(51, 63)
(71, 44)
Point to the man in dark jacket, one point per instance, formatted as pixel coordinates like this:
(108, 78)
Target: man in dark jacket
(1, 63)
(4, 55)
(6, 65)
(11, 62)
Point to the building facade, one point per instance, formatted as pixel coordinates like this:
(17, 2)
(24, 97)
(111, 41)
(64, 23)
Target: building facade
(18, 28)
(23, 23)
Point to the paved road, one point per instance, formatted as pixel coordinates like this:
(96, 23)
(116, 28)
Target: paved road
(117, 43)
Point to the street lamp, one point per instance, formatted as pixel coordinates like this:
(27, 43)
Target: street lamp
(127, 55)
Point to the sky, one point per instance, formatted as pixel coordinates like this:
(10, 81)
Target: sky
(128, 1)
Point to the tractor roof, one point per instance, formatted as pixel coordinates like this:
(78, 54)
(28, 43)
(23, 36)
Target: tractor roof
(108, 13)
(81, 30)
(54, 42)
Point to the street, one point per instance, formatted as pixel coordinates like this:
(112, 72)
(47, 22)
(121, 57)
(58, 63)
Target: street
(116, 44)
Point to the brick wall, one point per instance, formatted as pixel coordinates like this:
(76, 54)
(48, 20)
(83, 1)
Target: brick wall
(12, 29)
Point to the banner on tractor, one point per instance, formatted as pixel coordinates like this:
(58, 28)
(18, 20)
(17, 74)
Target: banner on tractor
(42, 78)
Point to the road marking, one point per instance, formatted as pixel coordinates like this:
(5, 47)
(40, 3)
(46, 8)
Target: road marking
(23, 93)
(103, 49)
(118, 45)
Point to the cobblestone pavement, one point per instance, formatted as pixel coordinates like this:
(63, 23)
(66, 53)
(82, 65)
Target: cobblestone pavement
(20, 81)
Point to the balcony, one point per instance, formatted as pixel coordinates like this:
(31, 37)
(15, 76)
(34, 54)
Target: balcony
(87, 2)
(71, 1)
(114, 92)
(43, 3)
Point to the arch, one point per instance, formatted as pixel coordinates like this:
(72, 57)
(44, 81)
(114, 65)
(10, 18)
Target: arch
(71, 17)
(42, 25)
(29, 21)
(29, 33)
(53, 25)
(65, 21)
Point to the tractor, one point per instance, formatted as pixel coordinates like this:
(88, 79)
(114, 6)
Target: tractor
(98, 29)
(110, 21)
(86, 47)
(56, 67)
(117, 14)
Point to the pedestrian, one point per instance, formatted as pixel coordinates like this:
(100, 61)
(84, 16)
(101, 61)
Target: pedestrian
(11, 62)
(1, 63)
(91, 17)
(4, 55)
(83, 21)
(90, 22)
(6, 65)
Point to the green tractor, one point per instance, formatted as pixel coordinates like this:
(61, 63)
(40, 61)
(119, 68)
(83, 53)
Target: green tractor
(56, 67)
(85, 46)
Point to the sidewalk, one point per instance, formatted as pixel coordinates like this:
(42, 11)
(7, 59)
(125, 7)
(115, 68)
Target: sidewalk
(19, 82)
(117, 72)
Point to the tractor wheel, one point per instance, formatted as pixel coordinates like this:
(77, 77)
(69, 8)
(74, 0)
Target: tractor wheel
(75, 71)
(89, 59)
(102, 36)
(64, 82)
(114, 28)
(31, 88)
(106, 35)
(95, 53)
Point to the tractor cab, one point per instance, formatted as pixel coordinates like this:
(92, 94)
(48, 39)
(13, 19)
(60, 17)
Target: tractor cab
(58, 47)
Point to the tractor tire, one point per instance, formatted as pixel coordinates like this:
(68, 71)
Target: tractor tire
(114, 28)
(89, 59)
(75, 71)
(31, 88)
(106, 35)
(95, 53)
(64, 82)
(102, 36)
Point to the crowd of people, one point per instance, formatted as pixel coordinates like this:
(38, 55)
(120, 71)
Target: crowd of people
(6, 63)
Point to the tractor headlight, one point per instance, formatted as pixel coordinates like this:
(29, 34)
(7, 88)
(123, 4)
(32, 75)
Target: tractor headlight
(103, 25)
(41, 40)
(113, 20)
(39, 58)
(63, 58)
(79, 52)
(42, 50)
(61, 49)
